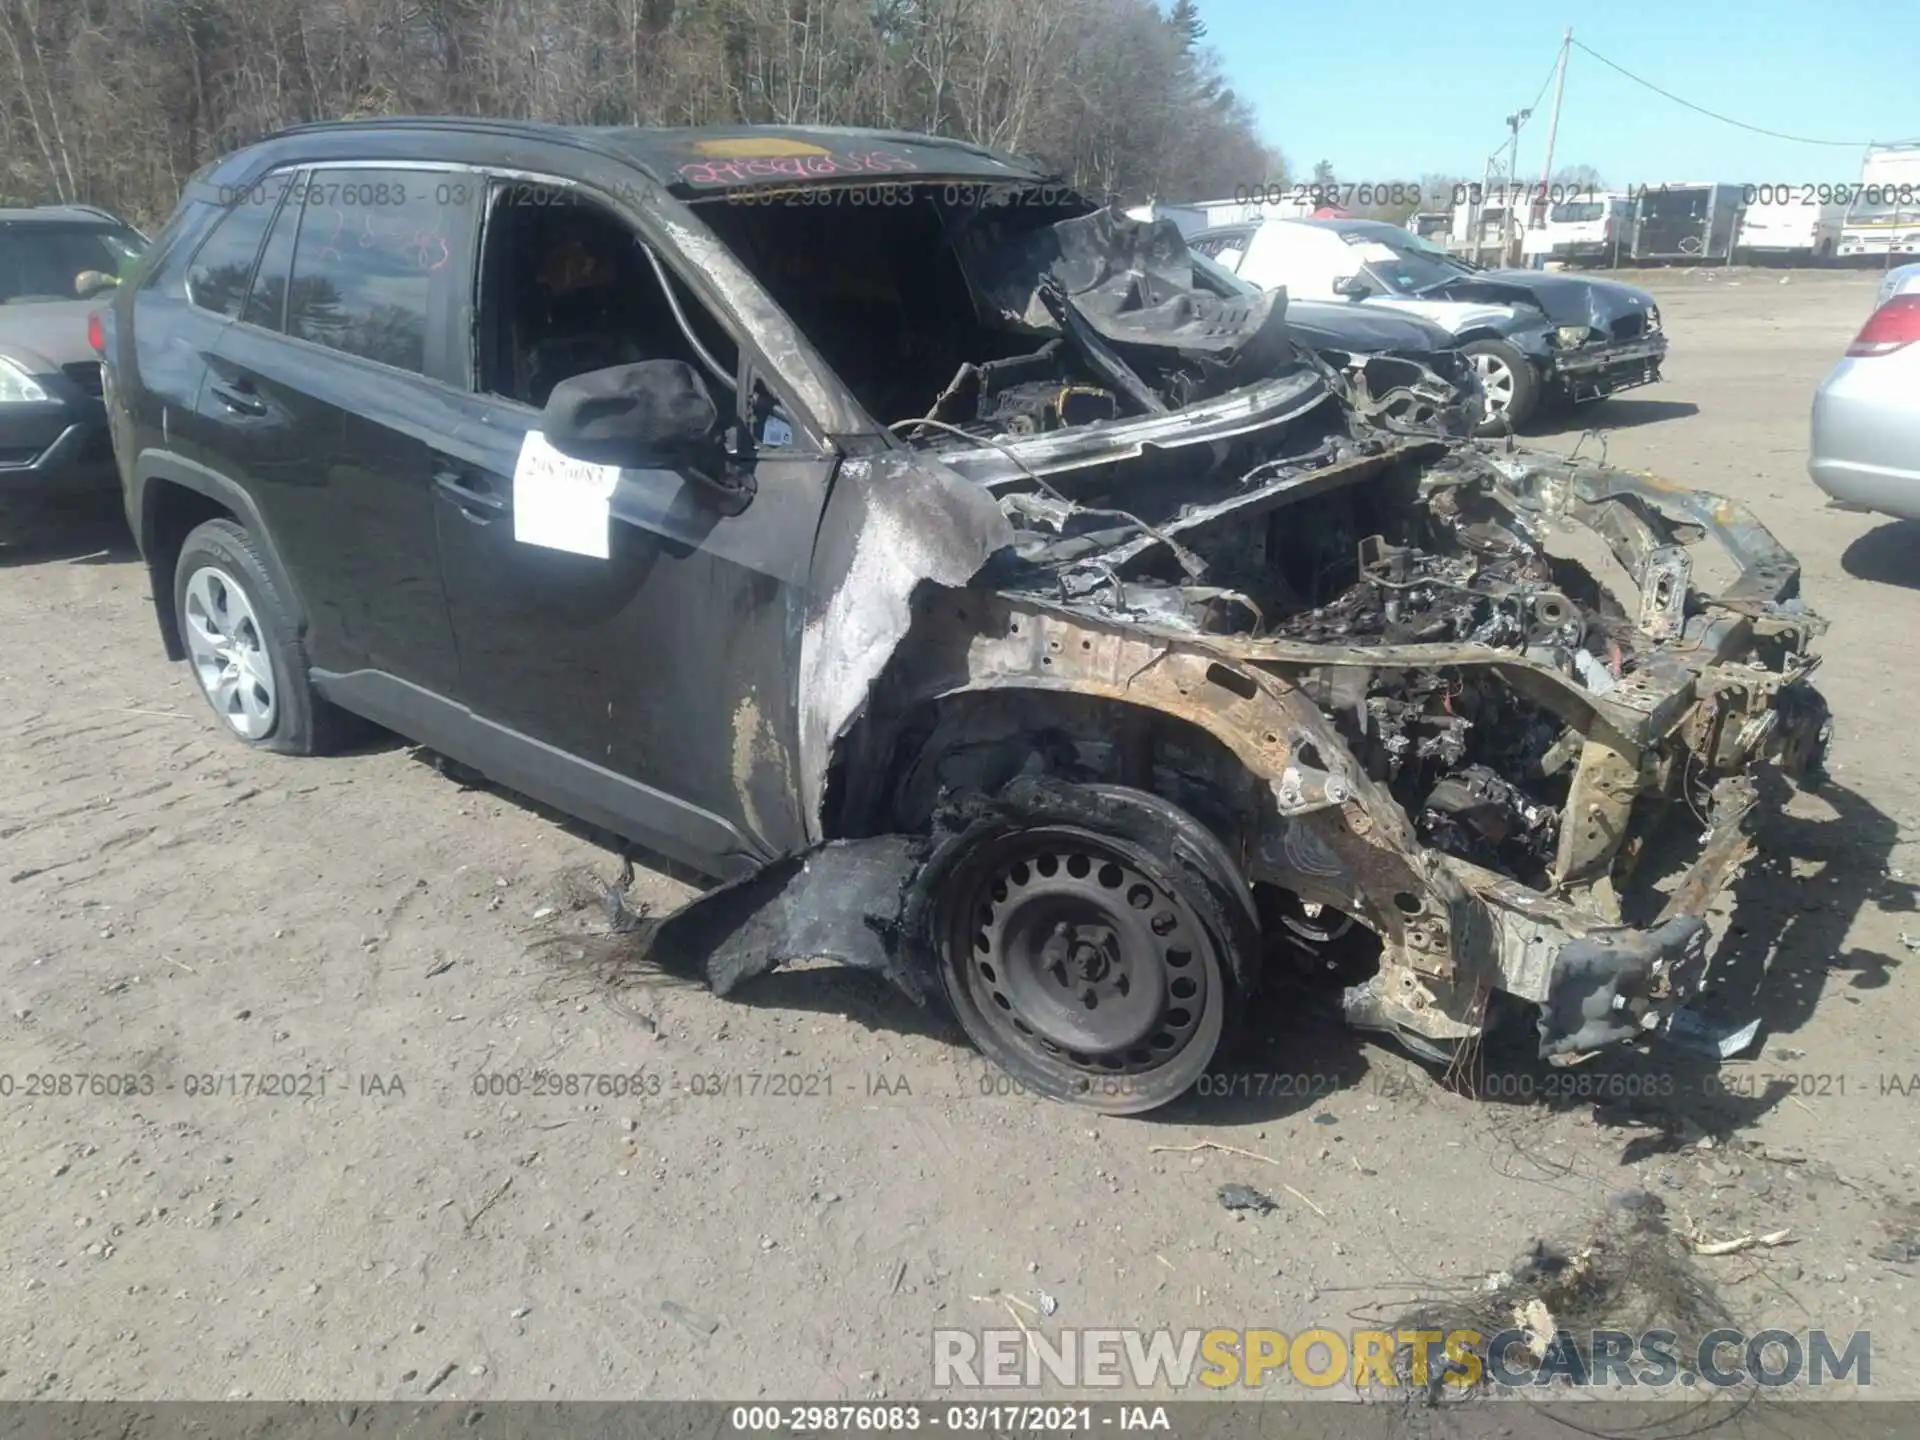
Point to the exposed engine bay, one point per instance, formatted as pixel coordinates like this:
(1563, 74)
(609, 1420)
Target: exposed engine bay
(1017, 318)
(1343, 513)
(1262, 603)
(1570, 738)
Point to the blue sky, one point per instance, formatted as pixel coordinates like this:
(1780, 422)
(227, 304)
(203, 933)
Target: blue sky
(1391, 91)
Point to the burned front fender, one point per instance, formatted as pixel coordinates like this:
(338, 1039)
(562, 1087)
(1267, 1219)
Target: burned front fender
(896, 525)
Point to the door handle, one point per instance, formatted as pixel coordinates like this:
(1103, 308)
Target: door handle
(239, 396)
(471, 493)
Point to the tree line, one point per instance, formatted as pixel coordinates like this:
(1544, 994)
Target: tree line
(118, 102)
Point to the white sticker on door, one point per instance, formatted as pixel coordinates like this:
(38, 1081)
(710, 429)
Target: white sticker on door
(560, 502)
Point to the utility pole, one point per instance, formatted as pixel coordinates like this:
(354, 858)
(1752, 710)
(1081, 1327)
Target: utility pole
(1553, 121)
(1514, 122)
(1476, 213)
(1553, 129)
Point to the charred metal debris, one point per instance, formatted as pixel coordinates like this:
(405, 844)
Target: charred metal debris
(1487, 713)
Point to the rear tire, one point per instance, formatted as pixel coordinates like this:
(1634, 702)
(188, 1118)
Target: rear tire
(244, 646)
(1095, 942)
(1510, 387)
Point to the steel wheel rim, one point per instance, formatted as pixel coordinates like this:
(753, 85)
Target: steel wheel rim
(1131, 943)
(228, 651)
(1496, 383)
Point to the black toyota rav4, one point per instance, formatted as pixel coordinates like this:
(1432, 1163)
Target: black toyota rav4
(871, 523)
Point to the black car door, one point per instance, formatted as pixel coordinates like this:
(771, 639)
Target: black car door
(187, 298)
(321, 394)
(644, 679)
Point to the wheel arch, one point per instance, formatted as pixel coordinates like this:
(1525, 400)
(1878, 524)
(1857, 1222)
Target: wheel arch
(982, 735)
(1488, 332)
(170, 496)
(987, 687)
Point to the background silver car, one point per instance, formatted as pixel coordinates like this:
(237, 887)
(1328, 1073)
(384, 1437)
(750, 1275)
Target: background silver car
(1866, 414)
(1901, 280)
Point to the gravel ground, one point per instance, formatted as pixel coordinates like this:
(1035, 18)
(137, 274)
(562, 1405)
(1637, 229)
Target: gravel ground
(807, 1180)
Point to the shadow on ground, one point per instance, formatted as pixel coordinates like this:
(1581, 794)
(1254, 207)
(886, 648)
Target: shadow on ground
(1794, 910)
(1889, 555)
(1614, 414)
(1789, 933)
(79, 532)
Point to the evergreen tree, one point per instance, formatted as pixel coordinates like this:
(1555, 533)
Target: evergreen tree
(1184, 19)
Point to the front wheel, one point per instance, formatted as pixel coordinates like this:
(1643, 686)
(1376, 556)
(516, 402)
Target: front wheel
(1509, 386)
(1095, 943)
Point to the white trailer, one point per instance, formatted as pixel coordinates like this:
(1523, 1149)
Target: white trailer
(1884, 216)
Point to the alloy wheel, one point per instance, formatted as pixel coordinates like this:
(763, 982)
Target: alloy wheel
(229, 653)
(1496, 383)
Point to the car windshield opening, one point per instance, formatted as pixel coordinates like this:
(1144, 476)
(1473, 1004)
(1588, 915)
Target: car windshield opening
(1408, 268)
(880, 286)
(1880, 212)
(1000, 311)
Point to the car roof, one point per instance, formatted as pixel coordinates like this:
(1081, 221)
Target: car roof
(1215, 232)
(693, 162)
(1377, 229)
(60, 215)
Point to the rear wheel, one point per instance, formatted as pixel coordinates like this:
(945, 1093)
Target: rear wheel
(244, 647)
(1509, 388)
(1095, 943)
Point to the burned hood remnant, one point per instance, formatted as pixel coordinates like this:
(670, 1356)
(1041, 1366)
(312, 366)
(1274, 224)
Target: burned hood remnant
(1231, 659)
(1131, 283)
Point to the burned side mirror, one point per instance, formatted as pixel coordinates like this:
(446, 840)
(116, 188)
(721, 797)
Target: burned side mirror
(654, 415)
(657, 414)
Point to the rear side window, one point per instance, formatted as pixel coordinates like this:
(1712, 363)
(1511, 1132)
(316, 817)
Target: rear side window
(164, 266)
(217, 279)
(371, 245)
(267, 300)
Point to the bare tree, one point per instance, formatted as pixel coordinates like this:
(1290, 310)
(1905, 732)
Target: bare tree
(1582, 177)
(118, 101)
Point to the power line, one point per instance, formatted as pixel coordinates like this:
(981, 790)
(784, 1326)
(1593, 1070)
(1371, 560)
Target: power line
(1534, 104)
(1716, 115)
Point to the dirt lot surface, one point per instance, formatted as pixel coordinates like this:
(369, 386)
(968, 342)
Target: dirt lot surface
(813, 1176)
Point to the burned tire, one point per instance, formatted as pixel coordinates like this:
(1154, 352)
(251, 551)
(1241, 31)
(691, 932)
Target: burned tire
(1509, 387)
(1095, 942)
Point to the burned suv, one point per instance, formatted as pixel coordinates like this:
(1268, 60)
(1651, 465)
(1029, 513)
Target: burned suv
(869, 522)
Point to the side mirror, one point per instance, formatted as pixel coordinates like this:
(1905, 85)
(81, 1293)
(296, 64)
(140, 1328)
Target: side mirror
(89, 283)
(656, 414)
(1354, 287)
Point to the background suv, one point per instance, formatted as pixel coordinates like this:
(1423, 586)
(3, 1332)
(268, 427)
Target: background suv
(57, 263)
